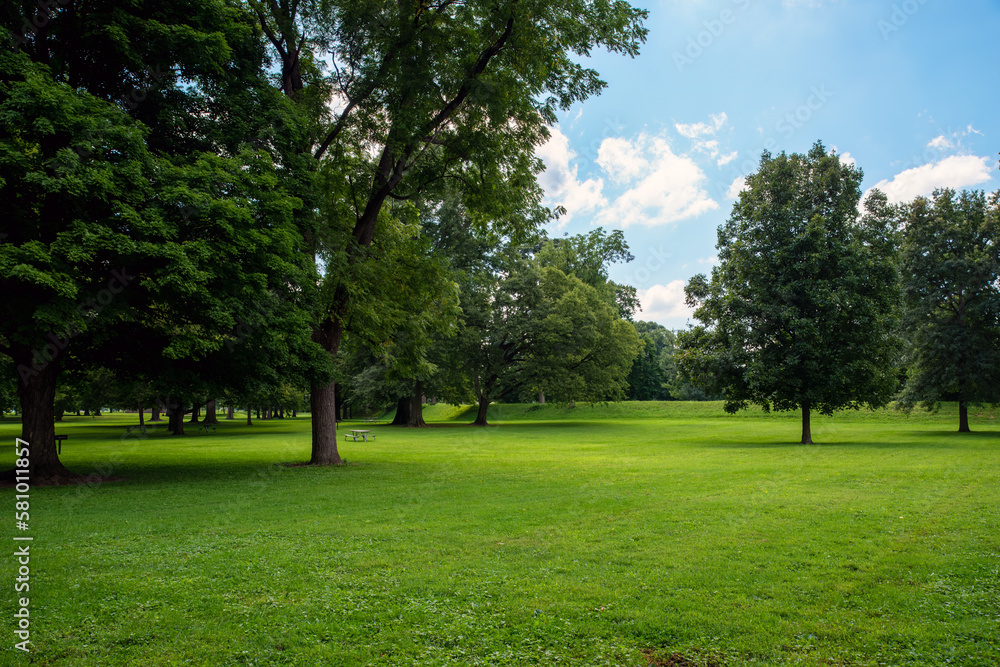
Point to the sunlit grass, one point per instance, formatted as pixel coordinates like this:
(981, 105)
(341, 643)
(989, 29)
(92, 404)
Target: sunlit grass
(603, 535)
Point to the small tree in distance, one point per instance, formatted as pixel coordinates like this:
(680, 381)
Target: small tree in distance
(802, 310)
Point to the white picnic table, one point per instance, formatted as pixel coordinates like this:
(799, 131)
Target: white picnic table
(356, 433)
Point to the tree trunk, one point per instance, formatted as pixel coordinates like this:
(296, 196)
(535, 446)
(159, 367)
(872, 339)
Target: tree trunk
(484, 405)
(416, 419)
(963, 417)
(142, 417)
(175, 417)
(86, 412)
(322, 401)
(230, 413)
(154, 413)
(541, 398)
(807, 438)
(294, 413)
(403, 408)
(210, 416)
(249, 421)
(59, 414)
(36, 390)
(195, 413)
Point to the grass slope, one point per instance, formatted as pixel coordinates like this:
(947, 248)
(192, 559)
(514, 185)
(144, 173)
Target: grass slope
(601, 535)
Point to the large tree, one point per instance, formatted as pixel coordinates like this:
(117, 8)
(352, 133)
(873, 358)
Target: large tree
(426, 93)
(803, 308)
(951, 278)
(136, 210)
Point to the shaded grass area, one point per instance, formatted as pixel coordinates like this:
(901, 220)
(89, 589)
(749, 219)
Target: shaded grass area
(583, 539)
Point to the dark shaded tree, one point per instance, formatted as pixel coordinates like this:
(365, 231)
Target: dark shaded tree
(653, 370)
(951, 280)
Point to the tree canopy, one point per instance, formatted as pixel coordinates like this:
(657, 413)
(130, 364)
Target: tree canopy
(144, 228)
(423, 96)
(803, 309)
(951, 280)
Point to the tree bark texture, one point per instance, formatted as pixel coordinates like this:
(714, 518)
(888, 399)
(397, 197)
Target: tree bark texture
(37, 392)
(484, 405)
(403, 407)
(807, 438)
(210, 416)
(417, 406)
(324, 425)
(175, 417)
(963, 417)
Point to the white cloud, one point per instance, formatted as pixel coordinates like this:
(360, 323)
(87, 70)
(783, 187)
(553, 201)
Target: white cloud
(695, 130)
(713, 260)
(669, 187)
(957, 171)
(848, 160)
(736, 187)
(972, 130)
(560, 182)
(621, 159)
(940, 142)
(726, 159)
(660, 302)
(700, 135)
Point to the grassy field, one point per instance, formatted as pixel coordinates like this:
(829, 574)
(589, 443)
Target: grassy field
(642, 534)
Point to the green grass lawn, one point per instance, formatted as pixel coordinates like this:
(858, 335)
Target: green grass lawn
(666, 534)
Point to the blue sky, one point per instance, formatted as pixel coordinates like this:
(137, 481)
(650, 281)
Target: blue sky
(908, 90)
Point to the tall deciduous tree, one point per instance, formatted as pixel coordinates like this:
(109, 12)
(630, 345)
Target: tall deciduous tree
(136, 210)
(425, 93)
(951, 277)
(803, 308)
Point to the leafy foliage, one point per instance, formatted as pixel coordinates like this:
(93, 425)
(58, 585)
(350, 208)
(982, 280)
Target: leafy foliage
(951, 269)
(803, 309)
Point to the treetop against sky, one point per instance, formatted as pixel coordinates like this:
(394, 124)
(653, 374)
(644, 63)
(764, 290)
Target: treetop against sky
(904, 90)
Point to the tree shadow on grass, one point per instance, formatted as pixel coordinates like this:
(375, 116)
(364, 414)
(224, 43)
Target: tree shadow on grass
(824, 444)
(954, 435)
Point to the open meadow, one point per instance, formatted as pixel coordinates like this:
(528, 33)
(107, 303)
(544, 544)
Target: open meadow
(621, 534)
